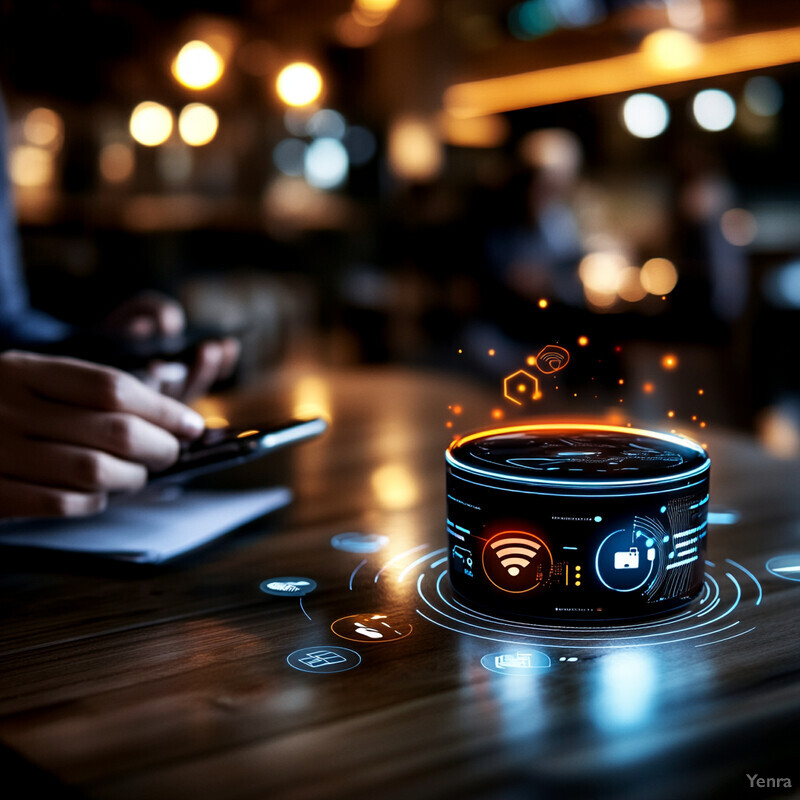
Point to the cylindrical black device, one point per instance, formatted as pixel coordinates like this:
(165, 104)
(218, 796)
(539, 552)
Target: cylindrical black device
(576, 522)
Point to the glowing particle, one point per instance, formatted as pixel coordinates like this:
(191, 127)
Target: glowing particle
(457, 409)
(621, 381)
(492, 351)
(448, 424)
(694, 417)
(543, 303)
(702, 424)
(648, 388)
(577, 583)
(669, 361)
(670, 414)
(531, 361)
(497, 413)
(583, 341)
(460, 351)
(520, 387)
(701, 391)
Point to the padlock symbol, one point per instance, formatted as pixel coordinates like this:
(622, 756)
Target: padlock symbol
(627, 559)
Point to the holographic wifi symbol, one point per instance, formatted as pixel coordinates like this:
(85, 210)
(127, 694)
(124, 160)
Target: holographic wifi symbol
(551, 359)
(515, 553)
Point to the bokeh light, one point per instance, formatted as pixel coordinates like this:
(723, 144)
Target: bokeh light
(326, 123)
(31, 167)
(151, 123)
(714, 109)
(763, 95)
(326, 163)
(738, 227)
(43, 127)
(645, 115)
(116, 162)
(299, 84)
(197, 65)
(197, 124)
(289, 156)
(671, 49)
(415, 151)
(659, 276)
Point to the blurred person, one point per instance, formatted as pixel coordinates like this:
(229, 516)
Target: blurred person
(71, 431)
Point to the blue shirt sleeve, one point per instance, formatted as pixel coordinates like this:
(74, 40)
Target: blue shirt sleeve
(20, 324)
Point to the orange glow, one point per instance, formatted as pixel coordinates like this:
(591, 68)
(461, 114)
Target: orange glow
(492, 351)
(543, 303)
(43, 127)
(216, 422)
(669, 361)
(117, 162)
(702, 424)
(489, 131)
(552, 358)
(670, 49)
(621, 381)
(648, 388)
(414, 148)
(670, 414)
(583, 341)
(243, 434)
(150, 123)
(701, 391)
(448, 424)
(531, 361)
(497, 413)
(566, 426)
(623, 73)
(457, 410)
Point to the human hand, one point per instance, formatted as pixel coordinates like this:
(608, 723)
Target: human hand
(72, 433)
(152, 314)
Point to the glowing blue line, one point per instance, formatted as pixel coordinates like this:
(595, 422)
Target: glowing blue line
(697, 505)
(397, 558)
(755, 580)
(438, 563)
(716, 585)
(572, 640)
(706, 644)
(595, 495)
(689, 531)
(723, 517)
(420, 561)
(457, 535)
(353, 573)
(568, 548)
(711, 606)
(706, 595)
(302, 608)
(710, 563)
(462, 529)
(536, 627)
(686, 552)
(681, 563)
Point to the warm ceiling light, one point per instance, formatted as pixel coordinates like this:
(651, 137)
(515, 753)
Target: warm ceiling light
(151, 123)
(620, 74)
(299, 84)
(197, 65)
(669, 49)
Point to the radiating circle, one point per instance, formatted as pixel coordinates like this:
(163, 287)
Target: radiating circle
(288, 586)
(326, 163)
(786, 567)
(323, 659)
(658, 276)
(197, 65)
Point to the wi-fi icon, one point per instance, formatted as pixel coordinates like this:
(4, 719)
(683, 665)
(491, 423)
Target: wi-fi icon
(551, 359)
(515, 553)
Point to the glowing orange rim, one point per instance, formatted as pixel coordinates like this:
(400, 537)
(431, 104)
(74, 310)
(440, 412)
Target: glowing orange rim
(682, 441)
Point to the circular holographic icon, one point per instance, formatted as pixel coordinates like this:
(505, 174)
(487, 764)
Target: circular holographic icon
(786, 567)
(323, 659)
(376, 628)
(288, 586)
(354, 542)
(519, 662)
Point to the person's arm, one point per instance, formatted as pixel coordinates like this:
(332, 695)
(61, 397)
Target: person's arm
(72, 433)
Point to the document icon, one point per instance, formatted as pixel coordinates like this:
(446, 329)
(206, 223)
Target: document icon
(627, 559)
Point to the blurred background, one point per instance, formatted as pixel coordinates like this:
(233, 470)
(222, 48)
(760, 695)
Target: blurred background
(447, 184)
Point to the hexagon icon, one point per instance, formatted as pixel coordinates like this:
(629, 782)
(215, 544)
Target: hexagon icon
(521, 386)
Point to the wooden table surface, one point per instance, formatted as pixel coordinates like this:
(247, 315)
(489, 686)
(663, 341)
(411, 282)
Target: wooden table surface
(175, 682)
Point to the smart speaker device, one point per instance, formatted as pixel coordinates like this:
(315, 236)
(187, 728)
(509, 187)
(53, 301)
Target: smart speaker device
(576, 522)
